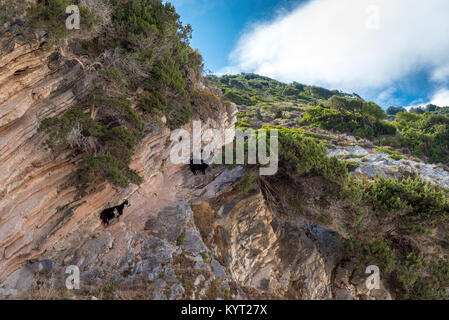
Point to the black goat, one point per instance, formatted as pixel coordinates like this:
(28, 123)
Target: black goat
(198, 167)
(108, 214)
(121, 207)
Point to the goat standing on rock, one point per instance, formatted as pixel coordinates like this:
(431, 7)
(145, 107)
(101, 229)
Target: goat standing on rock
(108, 214)
(198, 167)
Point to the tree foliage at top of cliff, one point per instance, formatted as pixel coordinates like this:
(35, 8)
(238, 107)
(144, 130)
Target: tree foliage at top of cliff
(430, 108)
(146, 66)
(251, 89)
(424, 135)
(422, 132)
(351, 115)
(267, 100)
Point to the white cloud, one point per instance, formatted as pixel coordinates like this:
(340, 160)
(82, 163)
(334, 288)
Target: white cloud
(344, 44)
(228, 70)
(387, 96)
(441, 98)
(441, 74)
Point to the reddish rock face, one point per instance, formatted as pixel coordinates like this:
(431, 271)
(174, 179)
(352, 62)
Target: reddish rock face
(39, 215)
(183, 236)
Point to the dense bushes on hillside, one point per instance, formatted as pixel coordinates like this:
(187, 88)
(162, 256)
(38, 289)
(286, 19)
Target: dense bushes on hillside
(408, 205)
(431, 108)
(425, 135)
(412, 199)
(413, 277)
(145, 48)
(330, 110)
(416, 198)
(393, 111)
(151, 32)
(251, 89)
(354, 116)
(422, 132)
(304, 153)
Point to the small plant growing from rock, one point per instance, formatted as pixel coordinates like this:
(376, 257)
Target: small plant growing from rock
(204, 256)
(180, 239)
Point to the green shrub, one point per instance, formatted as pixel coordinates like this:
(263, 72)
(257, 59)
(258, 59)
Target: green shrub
(152, 101)
(415, 229)
(379, 254)
(319, 93)
(408, 275)
(180, 239)
(109, 150)
(205, 103)
(439, 272)
(59, 129)
(242, 124)
(365, 124)
(244, 115)
(413, 278)
(238, 98)
(109, 168)
(424, 135)
(204, 256)
(291, 91)
(384, 128)
(307, 155)
(121, 110)
(246, 185)
(416, 197)
(354, 190)
(392, 154)
(393, 111)
(352, 165)
(329, 119)
(109, 289)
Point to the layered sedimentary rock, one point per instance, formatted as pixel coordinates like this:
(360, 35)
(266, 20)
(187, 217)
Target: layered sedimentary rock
(183, 236)
(39, 213)
(34, 207)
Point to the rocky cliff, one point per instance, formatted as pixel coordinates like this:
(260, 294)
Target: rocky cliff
(41, 216)
(220, 235)
(183, 236)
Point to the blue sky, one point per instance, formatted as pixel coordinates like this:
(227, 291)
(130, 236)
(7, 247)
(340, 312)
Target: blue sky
(218, 24)
(390, 52)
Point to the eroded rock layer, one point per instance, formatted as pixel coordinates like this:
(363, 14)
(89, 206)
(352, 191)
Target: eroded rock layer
(183, 236)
